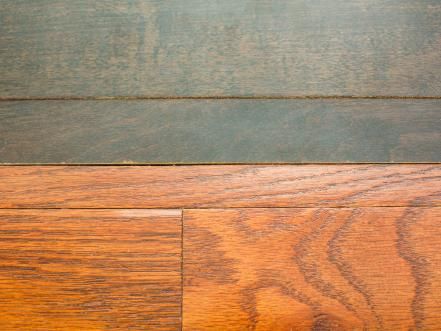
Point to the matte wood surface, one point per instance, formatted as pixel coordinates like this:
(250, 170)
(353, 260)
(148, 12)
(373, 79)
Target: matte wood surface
(219, 186)
(90, 270)
(225, 131)
(312, 269)
(219, 48)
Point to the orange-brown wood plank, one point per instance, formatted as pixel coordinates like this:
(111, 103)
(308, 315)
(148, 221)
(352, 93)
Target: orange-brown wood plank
(219, 186)
(312, 269)
(90, 270)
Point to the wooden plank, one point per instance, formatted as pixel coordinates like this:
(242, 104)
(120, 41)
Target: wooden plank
(312, 269)
(219, 48)
(219, 186)
(90, 270)
(220, 131)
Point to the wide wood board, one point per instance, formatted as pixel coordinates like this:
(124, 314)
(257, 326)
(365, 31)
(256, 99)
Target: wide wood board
(150, 48)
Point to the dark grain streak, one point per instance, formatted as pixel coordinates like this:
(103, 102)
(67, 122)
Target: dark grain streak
(335, 257)
(416, 262)
(312, 271)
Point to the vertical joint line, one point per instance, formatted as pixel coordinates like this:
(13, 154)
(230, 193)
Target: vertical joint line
(182, 269)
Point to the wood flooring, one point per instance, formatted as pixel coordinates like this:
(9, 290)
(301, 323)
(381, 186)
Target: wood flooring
(220, 131)
(299, 247)
(220, 81)
(90, 269)
(220, 165)
(312, 269)
(155, 48)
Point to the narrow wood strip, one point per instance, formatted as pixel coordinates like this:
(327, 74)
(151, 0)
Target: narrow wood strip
(219, 186)
(220, 131)
(220, 47)
(312, 269)
(90, 270)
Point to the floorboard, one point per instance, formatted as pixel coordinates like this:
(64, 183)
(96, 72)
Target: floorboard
(58, 48)
(90, 270)
(220, 131)
(220, 165)
(220, 186)
(312, 269)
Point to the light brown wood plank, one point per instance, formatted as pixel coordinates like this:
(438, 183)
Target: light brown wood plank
(90, 270)
(312, 269)
(219, 48)
(219, 186)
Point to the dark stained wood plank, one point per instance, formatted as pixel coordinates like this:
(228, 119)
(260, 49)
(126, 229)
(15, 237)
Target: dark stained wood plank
(219, 186)
(220, 131)
(312, 269)
(90, 270)
(219, 48)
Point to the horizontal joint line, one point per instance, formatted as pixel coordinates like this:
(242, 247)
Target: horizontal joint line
(275, 97)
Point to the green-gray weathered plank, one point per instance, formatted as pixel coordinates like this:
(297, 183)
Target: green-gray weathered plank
(220, 131)
(59, 48)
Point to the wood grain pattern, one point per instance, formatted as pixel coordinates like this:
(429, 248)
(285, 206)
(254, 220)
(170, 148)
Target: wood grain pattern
(220, 131)
(90, 270)
(219, 48)
(219, 186)
(312, 269)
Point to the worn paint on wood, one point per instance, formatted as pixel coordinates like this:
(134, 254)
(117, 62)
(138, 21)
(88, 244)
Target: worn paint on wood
(312, 269)
(219, 186)
(220, 131)
(219, 48)
(90, 270)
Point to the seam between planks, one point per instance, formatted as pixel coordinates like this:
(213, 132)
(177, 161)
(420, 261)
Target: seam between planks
(172, 164)
(182, 270)
(223, 207)
(230, 97)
